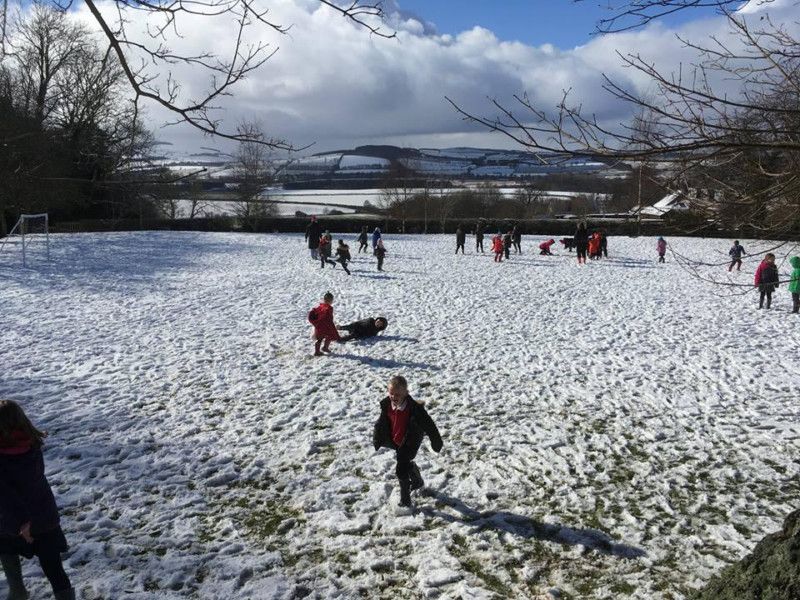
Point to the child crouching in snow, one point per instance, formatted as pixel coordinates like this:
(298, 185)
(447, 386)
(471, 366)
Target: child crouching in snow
(402, 425)
(325, 331)
(29, 521)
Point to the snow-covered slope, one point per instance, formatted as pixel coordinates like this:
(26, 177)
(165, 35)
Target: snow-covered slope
(615, 430)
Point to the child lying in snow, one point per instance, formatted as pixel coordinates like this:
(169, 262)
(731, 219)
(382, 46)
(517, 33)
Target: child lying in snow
(363, 329)
(402, 425)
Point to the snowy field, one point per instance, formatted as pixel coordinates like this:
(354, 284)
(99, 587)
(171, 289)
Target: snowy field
(616, 430)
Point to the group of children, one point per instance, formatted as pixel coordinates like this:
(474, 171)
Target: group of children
(322, 249)
(767, 278)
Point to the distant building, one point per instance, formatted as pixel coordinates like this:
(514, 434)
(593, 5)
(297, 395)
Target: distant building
(674, 202)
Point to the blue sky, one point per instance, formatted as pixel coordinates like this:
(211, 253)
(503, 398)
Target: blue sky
(563, 23)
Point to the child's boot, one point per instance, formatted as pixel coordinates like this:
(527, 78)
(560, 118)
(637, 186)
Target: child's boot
(405, 493)
(416, 478)
(68, 594)
(13, 570)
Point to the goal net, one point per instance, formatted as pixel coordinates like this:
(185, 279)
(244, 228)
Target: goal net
(31, 237)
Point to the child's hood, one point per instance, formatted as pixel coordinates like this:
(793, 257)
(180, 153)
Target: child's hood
(795, 262)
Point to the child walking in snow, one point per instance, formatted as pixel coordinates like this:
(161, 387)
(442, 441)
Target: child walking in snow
(363, 239)
(29, 521)
(497, 248)
(735, 253)
(766, 279)
(380, 253)
(325, 331)
(661, 248)
(401, 426)
(507, 241)
(343, 255)
(325, 250)
(794, 283)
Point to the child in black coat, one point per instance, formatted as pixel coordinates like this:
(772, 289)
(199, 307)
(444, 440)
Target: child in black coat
(402, 425)
(343, 255)
(380, 253)
(29, 521)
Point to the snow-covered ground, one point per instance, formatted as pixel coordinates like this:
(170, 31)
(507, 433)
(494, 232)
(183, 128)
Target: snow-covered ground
(621, 429)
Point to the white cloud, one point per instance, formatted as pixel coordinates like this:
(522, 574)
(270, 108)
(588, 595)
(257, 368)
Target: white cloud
(334, 84)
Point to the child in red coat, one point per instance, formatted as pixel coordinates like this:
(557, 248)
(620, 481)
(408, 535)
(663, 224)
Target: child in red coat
(497, 248)
(544, 247)
(325, 331)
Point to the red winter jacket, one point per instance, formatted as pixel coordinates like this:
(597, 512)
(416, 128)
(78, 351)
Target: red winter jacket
(766, 274)
(497, 244)
(546, 245)
(321, 318)
(594, 244)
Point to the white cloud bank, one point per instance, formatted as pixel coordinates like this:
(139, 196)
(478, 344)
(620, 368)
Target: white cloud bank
(334, 85)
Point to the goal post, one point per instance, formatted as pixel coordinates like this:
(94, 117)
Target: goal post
(25, 228)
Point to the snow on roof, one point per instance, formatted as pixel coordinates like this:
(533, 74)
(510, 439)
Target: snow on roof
(673, 201)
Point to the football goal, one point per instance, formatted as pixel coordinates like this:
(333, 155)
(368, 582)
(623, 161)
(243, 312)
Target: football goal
(32, 235)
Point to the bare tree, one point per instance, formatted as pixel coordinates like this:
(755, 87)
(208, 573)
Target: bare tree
(254, 169)
(148, 64)
(397, 191)
(746, 143)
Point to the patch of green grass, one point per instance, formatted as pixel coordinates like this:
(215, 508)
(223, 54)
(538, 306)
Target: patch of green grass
(262, 520)
(622, 587)
(493, 583)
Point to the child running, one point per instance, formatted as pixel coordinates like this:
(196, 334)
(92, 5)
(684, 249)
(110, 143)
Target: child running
(29, 521)
(766, 279)
(363, 239)
(325, 331)
(661, 248)
(402, 425)
(343, 255)
(325, 250)
(794, 283)
(736, 252)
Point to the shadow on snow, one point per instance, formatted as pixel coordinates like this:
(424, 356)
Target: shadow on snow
(528, 528)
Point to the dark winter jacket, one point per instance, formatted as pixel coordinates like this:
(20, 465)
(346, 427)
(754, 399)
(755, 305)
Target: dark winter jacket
(479, 233)
(343, 252)
(25, 494)
(420, 424)
(581, 236)
(313, 233)
(380, 251)
(766, 276)
(363, 237)
(363, 329)
(517, 235)
(736, 251)
(507, 241)
(461, 237)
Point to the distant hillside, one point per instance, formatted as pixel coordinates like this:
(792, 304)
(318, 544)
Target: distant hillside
(373, 163)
